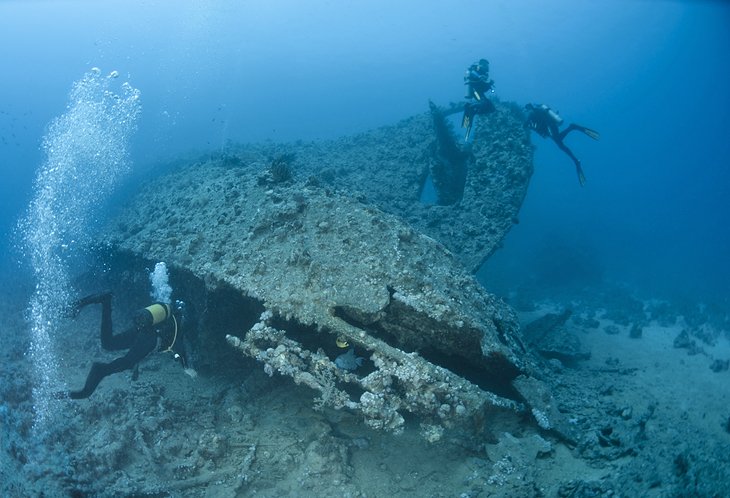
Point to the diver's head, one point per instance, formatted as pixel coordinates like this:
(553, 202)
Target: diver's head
(529, 107)
(483, 66)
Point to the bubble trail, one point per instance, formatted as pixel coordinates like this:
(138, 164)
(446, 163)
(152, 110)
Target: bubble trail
(86, 151)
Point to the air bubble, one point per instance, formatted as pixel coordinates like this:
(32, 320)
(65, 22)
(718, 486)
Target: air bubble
(86, 155)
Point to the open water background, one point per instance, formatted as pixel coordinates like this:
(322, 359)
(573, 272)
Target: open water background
(652, 77)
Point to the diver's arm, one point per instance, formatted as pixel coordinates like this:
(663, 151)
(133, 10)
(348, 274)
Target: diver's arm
(179, 353)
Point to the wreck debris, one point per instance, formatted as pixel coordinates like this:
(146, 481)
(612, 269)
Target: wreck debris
(399, 382)
(550, 336)
(330, 268)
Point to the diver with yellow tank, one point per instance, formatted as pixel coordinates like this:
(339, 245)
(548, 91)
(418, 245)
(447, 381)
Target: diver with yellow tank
(156, 327)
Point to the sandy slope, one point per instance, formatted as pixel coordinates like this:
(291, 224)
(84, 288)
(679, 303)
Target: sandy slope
(680, 383)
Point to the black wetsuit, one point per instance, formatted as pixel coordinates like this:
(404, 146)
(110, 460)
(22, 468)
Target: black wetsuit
(140, 340)
(477, 81)
(546, 123)
(478, 85)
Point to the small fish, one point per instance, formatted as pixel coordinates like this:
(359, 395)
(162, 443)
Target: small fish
(348, 361)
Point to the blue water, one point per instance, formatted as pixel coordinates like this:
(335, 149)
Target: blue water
(652, 77)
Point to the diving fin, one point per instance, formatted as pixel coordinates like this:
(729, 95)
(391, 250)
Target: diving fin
(581, 176)
(466, 122)
(591, 133)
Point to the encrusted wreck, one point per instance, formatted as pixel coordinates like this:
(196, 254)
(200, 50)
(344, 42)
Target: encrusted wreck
(340, 253)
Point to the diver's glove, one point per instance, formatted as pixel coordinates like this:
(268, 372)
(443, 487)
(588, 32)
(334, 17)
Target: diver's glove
(180, 310)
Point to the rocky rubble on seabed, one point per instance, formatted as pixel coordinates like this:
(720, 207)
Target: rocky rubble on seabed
(644, 427)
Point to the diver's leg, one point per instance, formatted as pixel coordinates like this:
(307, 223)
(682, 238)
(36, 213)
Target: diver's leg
(97, 298)
(578, 168)
(565, 149)
(564, 133)
(98, 371)
(106, 322)
(144, 345)
(112, 342)
(468, 114)
(591, 133)
(109, 341)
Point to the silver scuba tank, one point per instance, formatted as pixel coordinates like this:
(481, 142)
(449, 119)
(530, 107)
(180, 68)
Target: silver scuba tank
(553, 115)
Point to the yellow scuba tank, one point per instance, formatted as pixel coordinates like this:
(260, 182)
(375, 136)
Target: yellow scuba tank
(153, 314)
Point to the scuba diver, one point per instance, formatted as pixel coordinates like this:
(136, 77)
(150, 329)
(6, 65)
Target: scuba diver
(158, 326)
(477, 80)
(478, 85)
(547, 122)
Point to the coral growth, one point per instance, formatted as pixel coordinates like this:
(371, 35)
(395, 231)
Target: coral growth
(280, 168)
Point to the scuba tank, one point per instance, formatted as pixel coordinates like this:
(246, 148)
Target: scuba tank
(153, 314)
(158, 313)
(553, 115)
(467, 81)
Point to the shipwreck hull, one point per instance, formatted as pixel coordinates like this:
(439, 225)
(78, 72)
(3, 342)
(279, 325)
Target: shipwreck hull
(329, 269)
(390, 168)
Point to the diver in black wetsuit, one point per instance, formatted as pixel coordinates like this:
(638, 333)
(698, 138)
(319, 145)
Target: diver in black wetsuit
(546, 122)
(478, 85)
(156, 327)
(477, 80)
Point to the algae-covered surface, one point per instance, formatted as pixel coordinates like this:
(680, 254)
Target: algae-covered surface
(325, 266)
(389, 167)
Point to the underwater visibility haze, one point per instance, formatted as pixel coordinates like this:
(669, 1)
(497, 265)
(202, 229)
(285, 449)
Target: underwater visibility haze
(287, 160)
